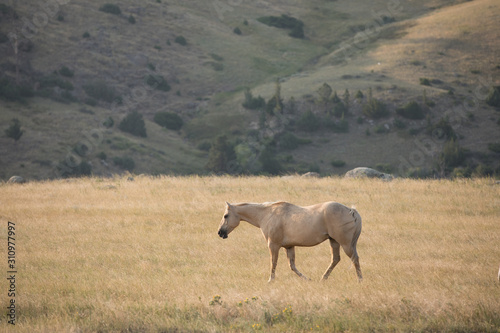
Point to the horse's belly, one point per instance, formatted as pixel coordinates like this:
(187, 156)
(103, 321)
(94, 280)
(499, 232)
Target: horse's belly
(305, 237)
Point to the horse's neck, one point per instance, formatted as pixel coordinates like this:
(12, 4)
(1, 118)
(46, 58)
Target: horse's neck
(252, 213)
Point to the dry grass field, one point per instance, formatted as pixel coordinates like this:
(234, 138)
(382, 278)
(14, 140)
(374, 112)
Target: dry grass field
(112, 255)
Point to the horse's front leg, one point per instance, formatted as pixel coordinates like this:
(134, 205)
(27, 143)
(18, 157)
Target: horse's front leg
(274, 250)
(290, 253)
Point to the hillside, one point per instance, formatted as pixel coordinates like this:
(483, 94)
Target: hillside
(187, 58)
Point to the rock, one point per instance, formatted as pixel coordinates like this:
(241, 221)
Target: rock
(367, 173)
(16, 180)
(311, 175)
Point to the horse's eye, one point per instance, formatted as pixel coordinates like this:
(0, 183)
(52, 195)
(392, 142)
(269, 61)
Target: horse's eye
(226, 216)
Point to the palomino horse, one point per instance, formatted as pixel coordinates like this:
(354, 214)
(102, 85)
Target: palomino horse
(286, 225)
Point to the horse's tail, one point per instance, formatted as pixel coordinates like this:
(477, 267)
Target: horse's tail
(357, 223)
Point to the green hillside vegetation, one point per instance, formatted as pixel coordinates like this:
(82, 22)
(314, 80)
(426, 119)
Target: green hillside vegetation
(71, 75)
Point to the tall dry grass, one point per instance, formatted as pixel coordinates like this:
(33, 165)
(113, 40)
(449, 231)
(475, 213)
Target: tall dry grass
(144, 255)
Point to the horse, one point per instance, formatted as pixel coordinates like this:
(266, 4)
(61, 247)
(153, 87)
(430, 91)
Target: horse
(286, 225)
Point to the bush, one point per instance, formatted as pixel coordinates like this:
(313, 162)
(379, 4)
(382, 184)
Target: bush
(425, 81)
(125, 163)
(237, 31)
(110, 9)
(81, 170)
(133, 124)
(412, 110)
(157, 82)
(51, 81)
(169, 120)
(493, 98)
(337, 163)
(442, 130)
(86, 34)
(494, 147)
(13, 92)
(14, 131)
(453, 155)
(65, 71)
(285, 22)
(288, 141)
(375, 109)
(181, 40)
(339, 109)
(253, 103)
(309, 122)
(131, 19)
(109, 122)
(99, 90)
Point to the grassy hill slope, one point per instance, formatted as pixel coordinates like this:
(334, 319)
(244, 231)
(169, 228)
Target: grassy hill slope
(349, 45)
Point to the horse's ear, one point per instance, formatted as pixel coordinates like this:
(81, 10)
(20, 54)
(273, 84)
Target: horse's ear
(228, 205)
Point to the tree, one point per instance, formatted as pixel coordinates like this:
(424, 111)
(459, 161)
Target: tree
(324, 92)
(169, 120)
(268, 160)
(133, 124)
(220, 156)
(347, 99)
(14, 131)
(276, 102)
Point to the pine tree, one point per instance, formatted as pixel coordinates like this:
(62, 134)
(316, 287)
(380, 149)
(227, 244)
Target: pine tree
(220, 155)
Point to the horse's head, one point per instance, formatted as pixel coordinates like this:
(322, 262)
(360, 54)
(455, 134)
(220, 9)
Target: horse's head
(229, 221)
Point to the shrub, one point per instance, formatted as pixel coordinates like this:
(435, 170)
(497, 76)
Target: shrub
(251, 102)
(375, 109)
(285, 22)
(14, 131)
(53, 80)
(86, 34)
(340, 126)
(339, 109)
(99, 90)
(411, 110)
(425, 81)
(289, 141)
(13, 92)
(493, 98)
(181, 40)
(109, 122)
(237, 31)
(3, 38)
(168, 120)
(494, 147)
(453, 155)
(204, 146)
(442, 130)
(126, 163)
(309, 122)
(131, 19)
(157, 82)
(65, 71)
(110, 9)
(220, 155)
(399, 124)
(337, 163)
(133, 124)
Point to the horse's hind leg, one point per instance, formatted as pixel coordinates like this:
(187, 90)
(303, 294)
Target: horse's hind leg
(353, 254)
(290, 253)
(335, 258)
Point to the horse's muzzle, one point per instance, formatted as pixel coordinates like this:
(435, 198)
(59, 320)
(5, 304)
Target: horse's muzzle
(222, 234)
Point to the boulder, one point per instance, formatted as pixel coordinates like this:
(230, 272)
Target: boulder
(367, 173)
(16, 180)
(311, 175)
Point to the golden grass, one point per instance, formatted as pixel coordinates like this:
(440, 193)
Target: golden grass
(144, 255)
